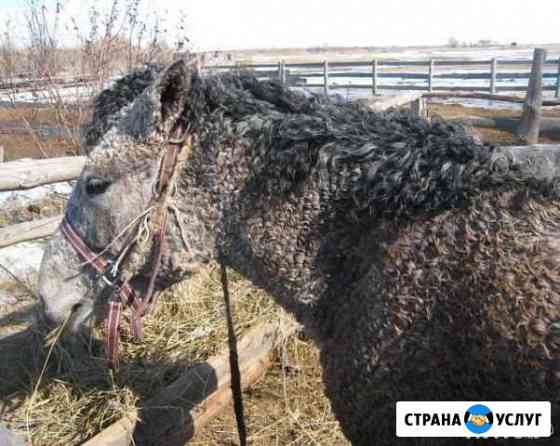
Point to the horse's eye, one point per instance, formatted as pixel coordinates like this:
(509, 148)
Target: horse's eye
(96, 185)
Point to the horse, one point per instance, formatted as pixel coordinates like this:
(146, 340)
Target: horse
(422, 262)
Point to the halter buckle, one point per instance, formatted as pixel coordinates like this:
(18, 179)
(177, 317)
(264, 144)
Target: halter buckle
(110, 275)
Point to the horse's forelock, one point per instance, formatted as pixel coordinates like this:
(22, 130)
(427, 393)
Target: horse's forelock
(113, 99)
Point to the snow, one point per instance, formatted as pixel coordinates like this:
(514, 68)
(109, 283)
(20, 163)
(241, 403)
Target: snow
(20, 198)
(66, 94)
(22, 260)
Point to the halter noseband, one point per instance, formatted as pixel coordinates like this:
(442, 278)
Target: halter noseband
(121, 291)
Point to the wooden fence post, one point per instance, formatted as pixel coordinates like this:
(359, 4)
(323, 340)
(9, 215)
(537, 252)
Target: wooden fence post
(431, 76)
(326, 77)
(418, 108)
(282, 72)
(374, 77)
(198, 64)
(529, 125)
(558, 80)
(493, 72)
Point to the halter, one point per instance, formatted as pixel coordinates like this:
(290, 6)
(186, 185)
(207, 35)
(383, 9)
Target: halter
(123, 294)
(109, 272)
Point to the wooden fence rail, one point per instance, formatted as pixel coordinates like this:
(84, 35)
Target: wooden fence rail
(29, 230)
(26, 174)
(181, 409)
(499, 80)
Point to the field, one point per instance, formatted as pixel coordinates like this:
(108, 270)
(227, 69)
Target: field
(74, 396)
(297, 55)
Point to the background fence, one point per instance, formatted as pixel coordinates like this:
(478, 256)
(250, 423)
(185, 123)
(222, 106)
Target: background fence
(493, 76)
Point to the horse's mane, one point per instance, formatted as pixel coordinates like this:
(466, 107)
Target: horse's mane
(386, 163)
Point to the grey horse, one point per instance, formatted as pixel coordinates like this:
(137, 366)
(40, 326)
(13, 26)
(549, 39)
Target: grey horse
(423, 263)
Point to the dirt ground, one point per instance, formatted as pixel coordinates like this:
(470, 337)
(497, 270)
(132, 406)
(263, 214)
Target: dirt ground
(287, 407)
(20, 140)
(494, 136)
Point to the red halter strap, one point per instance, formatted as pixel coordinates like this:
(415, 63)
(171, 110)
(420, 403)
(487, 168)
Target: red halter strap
(123, 293)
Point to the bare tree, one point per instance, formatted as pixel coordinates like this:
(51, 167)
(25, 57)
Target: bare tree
(42, 27)
(114, 41)
(8, 54)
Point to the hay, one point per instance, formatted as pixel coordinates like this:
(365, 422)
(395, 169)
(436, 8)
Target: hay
(288, 408)
(78, 396)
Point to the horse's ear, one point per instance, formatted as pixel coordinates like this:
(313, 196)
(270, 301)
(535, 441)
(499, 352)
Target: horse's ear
(170, 93)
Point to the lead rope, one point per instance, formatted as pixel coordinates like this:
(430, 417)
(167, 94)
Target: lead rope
(233, 359)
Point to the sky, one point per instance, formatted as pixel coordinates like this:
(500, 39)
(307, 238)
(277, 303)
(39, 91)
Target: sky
(232, 24)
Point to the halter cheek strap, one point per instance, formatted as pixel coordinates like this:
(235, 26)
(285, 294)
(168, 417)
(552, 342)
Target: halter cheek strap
(122, 293)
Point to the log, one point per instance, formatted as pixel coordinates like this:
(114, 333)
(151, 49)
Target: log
(489, 97)
(548, 126)
(185, 406)
(26, 174)
(532, 109)
(30, 230)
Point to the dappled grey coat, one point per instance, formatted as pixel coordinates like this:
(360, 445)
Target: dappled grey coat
(422, 263)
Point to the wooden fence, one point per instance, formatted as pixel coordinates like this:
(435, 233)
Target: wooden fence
(376, 75)
(17, 175)
(179, 410)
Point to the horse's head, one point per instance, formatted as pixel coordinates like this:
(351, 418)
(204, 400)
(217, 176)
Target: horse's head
(125, 142)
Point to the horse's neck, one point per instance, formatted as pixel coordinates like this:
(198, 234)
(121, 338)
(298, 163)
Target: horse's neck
(291, 239)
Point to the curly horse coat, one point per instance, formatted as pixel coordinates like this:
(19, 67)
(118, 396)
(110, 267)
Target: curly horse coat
(424, 264)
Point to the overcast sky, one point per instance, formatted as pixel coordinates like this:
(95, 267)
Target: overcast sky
(228, 24)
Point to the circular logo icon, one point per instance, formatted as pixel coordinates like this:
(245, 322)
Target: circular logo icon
(478, 419)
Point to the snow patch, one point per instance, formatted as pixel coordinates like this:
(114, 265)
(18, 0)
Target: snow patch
(22, 260)
(20, 198)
